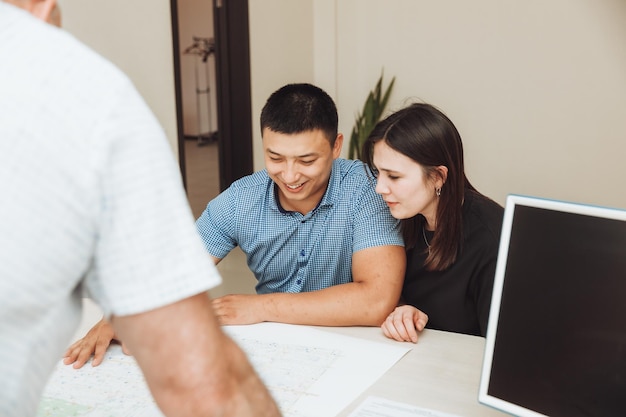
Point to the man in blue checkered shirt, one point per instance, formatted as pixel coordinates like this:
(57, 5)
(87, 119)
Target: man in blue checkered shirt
(322, 244)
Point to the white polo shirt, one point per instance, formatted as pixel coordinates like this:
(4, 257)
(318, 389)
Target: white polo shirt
(90, 199)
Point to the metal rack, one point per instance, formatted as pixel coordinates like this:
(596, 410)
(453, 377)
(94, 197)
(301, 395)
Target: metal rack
(201, 49)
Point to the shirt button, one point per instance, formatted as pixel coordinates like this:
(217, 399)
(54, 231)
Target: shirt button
(302, 252)
(299, 281)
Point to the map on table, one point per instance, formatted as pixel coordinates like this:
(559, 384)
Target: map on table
(309, 372)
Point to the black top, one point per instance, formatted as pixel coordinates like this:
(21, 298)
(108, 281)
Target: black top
(458, 299)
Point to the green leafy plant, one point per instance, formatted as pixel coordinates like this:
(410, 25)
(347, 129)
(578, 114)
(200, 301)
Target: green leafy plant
(366, 120)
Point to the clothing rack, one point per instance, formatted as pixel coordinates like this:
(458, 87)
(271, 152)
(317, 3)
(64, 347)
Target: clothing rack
(201, 49)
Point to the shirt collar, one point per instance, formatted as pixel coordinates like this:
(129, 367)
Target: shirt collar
(328, 199)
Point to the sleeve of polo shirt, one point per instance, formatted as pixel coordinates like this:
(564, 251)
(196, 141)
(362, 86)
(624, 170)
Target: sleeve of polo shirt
(216, 225)
(147, 250)
(373, 223)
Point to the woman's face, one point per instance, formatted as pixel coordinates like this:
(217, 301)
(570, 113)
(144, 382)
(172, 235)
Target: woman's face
(403, 185)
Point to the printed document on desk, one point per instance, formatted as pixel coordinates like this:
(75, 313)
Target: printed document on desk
(114, 388)
(309, 372)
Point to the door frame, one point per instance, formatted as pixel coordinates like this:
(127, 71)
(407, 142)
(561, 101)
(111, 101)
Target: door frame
(233, 96)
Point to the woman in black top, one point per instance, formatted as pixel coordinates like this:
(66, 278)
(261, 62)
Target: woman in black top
(451, 231)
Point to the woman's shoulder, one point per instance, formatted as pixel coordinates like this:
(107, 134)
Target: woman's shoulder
(481, 212)
(478, 203)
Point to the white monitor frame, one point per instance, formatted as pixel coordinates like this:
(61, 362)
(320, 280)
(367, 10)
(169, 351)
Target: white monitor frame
(512, 202)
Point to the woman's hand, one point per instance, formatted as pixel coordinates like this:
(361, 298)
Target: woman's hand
(404, 323)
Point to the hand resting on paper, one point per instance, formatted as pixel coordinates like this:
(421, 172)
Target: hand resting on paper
(239, 309)
(95, 342)
(404, 323)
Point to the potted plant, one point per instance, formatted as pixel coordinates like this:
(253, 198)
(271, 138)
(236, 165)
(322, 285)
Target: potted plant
(366, 120)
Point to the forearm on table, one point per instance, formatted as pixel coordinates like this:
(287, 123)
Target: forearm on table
(351, 304)
(191, 366)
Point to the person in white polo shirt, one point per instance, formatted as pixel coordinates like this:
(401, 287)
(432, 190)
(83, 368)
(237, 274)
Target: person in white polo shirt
(92, 203)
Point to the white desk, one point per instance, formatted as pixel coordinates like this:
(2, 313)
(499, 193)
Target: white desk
(442, 372)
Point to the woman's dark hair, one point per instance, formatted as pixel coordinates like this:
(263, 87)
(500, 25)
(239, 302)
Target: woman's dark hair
(426, 135)
(297, 108)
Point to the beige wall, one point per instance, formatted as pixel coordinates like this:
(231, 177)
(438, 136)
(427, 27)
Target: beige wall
(281, 52)
(136, 36)
(537, 89)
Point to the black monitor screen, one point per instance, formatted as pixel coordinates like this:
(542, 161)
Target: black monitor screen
(557, 341)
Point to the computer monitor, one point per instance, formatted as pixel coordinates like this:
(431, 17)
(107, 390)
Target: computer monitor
(556, 339)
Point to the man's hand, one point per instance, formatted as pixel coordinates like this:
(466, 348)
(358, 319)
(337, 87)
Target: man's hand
(95, 342)
(238, 309)
(404, 323)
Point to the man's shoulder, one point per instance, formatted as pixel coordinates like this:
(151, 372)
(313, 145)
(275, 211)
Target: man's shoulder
(75, 65)
(350, 165)
(251, 187)
(251, 181)
(352, 171)
(352, 184)
(56, 45)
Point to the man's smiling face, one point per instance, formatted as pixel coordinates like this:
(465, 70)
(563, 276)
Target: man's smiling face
(300, 164)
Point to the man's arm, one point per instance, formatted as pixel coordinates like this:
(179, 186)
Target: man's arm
(212, 378)
(378, 274)
(96, 342)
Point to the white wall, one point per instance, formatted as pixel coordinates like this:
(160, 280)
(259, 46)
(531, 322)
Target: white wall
(537, 89)
(136, 36)
(281, 52)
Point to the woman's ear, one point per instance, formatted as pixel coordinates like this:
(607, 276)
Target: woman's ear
(443, 175)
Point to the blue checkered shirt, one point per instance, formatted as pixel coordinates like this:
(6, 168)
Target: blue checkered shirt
(291, 252)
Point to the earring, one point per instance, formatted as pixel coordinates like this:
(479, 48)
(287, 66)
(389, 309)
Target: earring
(438, 192)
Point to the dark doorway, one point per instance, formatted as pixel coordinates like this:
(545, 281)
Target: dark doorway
(232, 51)
(232, 73)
